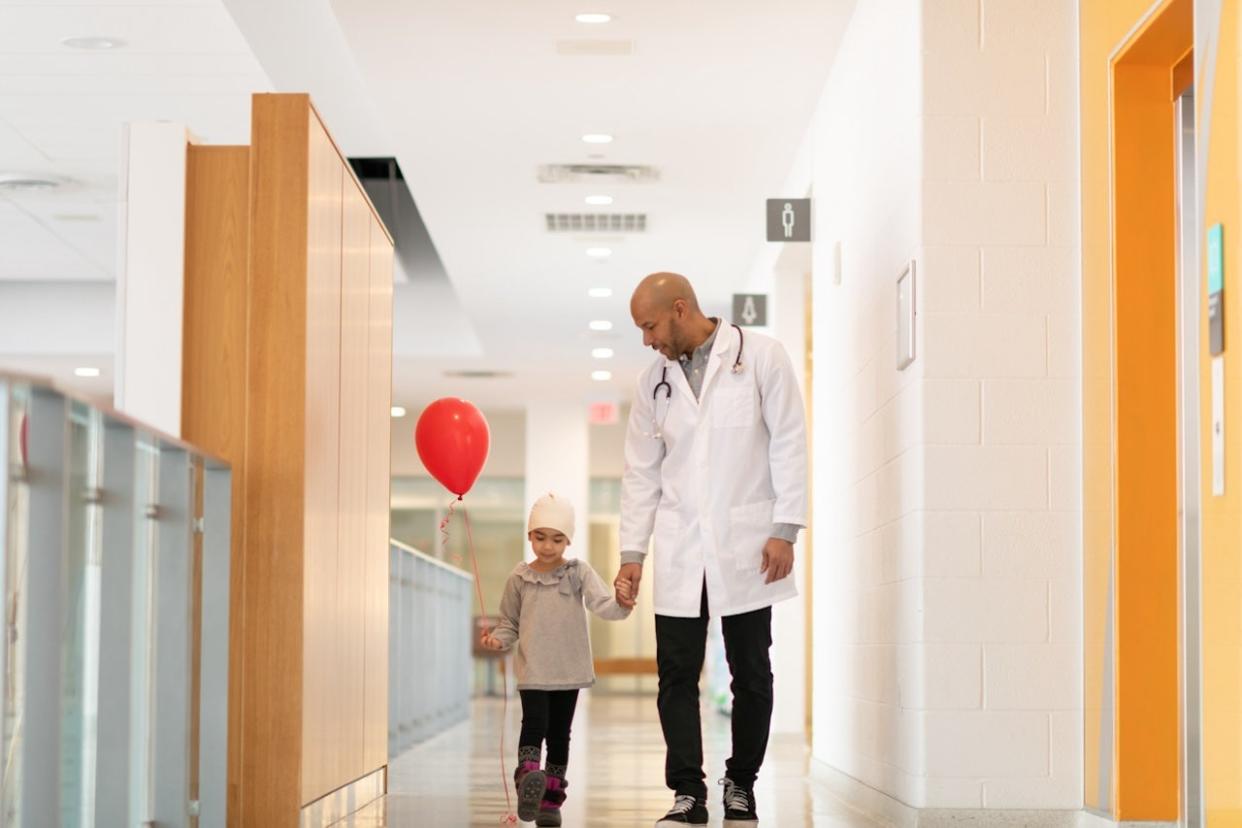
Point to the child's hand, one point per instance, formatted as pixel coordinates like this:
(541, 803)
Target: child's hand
(491, 643)
(623, 590)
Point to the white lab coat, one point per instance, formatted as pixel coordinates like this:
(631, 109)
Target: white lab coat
(724, 469)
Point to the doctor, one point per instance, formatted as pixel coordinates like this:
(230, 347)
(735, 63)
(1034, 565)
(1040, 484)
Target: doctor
(715, 455)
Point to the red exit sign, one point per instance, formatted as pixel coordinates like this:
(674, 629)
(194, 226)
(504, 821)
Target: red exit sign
(603, 413)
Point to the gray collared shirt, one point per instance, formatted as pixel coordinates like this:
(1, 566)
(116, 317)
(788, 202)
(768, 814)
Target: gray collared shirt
(694, 366)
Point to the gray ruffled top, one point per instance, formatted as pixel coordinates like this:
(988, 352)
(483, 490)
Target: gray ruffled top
(545, 614)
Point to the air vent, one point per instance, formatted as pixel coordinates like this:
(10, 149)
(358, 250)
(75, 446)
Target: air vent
(596, 222)
(477, 374)
(595, 48)
(596, 173)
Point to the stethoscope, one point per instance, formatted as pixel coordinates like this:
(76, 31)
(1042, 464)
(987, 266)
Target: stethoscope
(657, 427)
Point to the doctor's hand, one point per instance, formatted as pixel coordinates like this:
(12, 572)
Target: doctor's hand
(626, 584)
(778, 559)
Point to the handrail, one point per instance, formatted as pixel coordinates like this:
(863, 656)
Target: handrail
(432, 560)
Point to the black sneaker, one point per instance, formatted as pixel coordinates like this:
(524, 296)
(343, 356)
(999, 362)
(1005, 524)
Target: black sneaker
(739, 804)
(686, 810)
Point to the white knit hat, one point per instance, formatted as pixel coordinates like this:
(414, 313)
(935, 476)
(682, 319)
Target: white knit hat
(552, 512)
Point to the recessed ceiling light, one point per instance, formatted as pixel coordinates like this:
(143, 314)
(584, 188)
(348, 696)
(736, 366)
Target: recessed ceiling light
(601, 325)
(593, 17)
(599, 200)
(597, 138)
(398, 411)
(76, 216)
(602, 353)
(600, 293)
(86, 372)
(28, 182)
(96, 43)
(599, 252)
(601, 376)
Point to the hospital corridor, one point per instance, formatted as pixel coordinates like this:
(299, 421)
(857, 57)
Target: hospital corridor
(442, 414)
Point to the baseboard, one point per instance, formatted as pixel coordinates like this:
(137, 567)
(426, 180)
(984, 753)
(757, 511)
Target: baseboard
(872, 803)
(881, 807)
(1086, 819)
(344, 801)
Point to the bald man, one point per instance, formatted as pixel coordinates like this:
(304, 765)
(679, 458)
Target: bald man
(715, 477)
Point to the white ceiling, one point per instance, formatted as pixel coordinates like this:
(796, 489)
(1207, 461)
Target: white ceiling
(61, 115)
(471, 98)
(717, 94)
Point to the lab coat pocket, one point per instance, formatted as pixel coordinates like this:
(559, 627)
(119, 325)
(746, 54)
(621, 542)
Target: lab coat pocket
(750, 526)
(733, 407)
(667, 532)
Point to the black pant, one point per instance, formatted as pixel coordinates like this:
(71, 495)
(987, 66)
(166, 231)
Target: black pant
(680, 643)
(548, 715)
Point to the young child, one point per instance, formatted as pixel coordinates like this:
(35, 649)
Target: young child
(542, 610)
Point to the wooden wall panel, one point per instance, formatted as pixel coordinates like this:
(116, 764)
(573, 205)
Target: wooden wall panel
(276, 461)
(379, 436)
(351, 583)
(288, 376)
(213, 391)
(322, 677)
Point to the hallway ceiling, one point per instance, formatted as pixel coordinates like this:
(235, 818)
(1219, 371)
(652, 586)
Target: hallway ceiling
(473, 99)
(62, 110)
(476, 97)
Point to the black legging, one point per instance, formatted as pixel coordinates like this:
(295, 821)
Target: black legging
(548, 715)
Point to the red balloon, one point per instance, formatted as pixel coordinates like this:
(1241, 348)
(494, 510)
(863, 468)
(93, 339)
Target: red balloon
(452, 439)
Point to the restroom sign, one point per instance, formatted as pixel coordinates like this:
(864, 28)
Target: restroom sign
(789, 219)
(750, 310)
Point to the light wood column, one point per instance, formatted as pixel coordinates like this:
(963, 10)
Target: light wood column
(288, 365)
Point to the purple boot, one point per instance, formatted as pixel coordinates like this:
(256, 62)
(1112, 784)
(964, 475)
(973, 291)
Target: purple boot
(553, 798)
(529, 782)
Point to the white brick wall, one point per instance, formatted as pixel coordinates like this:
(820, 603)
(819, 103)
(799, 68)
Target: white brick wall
(869, 417)
(947, 496)
(1006, 199)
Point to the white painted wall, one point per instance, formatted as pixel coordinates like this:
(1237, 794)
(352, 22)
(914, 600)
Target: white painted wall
(150, 285)
(1001, 701)
(865, 170)
(946, 504)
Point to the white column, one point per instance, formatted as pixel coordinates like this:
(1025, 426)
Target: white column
(558, 460)
(786, 316)
(151, 274)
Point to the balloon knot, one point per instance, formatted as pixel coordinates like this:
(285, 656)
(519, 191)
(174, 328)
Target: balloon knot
(509, 819)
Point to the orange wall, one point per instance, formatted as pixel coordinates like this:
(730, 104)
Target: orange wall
(1129, 369)
(1222, 516)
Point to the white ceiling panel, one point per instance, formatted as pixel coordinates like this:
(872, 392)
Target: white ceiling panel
(124, 63)
(31, 251)
(159, 29)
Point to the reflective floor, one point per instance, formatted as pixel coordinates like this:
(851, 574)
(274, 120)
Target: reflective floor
(615, 774)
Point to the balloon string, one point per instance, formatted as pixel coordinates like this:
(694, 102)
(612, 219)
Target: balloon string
(508, 818)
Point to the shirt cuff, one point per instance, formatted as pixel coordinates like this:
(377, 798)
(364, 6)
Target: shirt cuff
(786, 531)
(629, 556)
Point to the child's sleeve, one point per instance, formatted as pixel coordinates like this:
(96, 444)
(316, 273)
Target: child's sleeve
(506, 629)
(598, 598)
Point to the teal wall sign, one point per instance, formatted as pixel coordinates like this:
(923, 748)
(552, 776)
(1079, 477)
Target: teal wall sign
(1216, 288)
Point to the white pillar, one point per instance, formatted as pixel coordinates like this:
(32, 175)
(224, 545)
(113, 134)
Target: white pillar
(558, 460)
(151, 274)
(787, 308)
